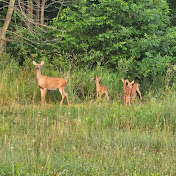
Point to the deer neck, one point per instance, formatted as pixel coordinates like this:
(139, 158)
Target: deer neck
(97, 84)
(38, 74)
(130, 86)
(124, 85)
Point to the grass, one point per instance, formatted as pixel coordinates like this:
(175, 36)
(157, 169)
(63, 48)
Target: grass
(88, 137)
(94, 138)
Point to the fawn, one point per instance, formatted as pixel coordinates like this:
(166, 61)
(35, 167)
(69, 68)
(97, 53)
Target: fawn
(101, 89)
(127, 91)
(135, 87)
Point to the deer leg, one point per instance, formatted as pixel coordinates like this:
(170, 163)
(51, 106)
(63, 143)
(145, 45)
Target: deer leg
(62, 94)
(132, 99)
(66, 96)
(100, 94)
(97, 94)
(139, 93)
(43, 93)
(67, 99)
(127, 100)
(42, 96)
(107, 96)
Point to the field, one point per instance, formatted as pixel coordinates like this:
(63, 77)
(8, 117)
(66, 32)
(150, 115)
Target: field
(92, 137)
(96, 138)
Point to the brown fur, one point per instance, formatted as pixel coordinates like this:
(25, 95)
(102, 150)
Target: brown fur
(135, 88)
(45, 82)
(101, 89)
(127, 91)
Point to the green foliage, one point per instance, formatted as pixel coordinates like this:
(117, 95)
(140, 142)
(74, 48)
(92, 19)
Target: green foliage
(19, 84)
(106, 33)
(94, 137)
(81, 84)
(111, 30)
(172, 6)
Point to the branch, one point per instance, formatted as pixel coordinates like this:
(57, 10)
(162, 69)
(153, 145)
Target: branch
(46, 42)
(36, 23)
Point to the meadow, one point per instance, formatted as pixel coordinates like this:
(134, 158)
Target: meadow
(90, 136)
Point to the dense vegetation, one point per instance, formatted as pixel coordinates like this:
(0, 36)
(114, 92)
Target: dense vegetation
(91, 33)
(132, 39)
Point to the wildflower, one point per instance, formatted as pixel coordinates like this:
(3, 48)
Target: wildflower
(38, 113)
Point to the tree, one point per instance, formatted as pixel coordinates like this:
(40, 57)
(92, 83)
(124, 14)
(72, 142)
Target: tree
(110, 30)
(3, 29)
(172, 5)
(30, 23)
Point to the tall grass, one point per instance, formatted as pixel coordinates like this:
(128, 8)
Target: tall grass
(19, 85)
(89, 137)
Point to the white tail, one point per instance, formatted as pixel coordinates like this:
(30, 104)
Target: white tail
(127, 91)
(47, 83)
(101, 89)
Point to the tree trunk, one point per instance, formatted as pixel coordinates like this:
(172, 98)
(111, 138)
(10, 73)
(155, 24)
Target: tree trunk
(30, 13)
(37, 11)
(3, 30)
(42, 12)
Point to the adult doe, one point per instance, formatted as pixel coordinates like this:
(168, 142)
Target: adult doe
(101, 89)
(48, 83)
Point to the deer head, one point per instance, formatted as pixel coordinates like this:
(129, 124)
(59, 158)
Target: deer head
(38, 65)
(98, 79)
(130, 83)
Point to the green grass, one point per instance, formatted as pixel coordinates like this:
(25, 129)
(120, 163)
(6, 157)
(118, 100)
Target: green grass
(88, 137)
(94, 138)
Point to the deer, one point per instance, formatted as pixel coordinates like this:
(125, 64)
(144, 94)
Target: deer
(127, 91)
(101, 89)
(48, 83)
(135, 87)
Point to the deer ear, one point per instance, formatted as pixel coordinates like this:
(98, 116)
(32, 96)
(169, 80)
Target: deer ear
(42, 63)
(132, 82)
(99, 77)
(122, 79)
(34, 63)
